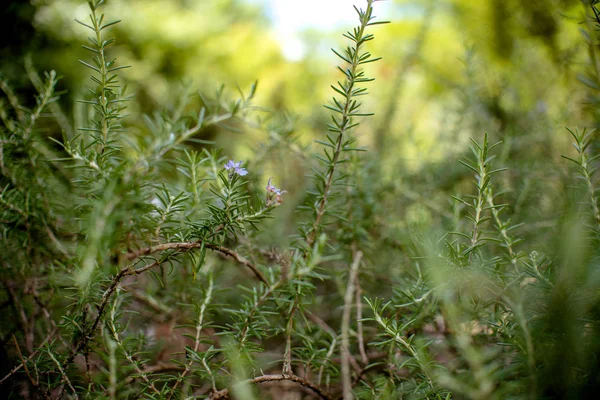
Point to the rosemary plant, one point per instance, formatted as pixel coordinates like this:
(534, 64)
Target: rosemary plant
(139, 260)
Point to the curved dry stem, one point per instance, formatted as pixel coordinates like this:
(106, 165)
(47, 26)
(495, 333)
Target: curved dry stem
(186, 246)
(224, 394)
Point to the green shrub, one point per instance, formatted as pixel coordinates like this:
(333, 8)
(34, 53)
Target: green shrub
(139, 261)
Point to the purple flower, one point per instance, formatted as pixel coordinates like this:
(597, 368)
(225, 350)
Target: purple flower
(235, 168)
(272, 188)
(273, 194)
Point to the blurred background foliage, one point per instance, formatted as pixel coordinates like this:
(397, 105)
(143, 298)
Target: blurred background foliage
(504, 60)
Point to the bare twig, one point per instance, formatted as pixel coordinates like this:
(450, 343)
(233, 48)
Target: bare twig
(359, 325)
(33, 381)
(186, 246)
(22, 364)
(88, 371)
(327, 358)
(346, 379)
(287, 357)
(224, 394)
(325, 327)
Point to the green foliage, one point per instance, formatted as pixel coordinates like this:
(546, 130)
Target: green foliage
(141, 262)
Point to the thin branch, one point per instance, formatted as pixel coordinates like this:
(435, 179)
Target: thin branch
(287, 357)
(55, 108)
(112, 327)
(326, 328)
(199, 327)
(359, 325)
(224, 394)
(156, 369)
(22, 364)
(34, 382)
(45, 97)
(502, 228)
(65, 378)
(186, 246)
(327, 358)
(323, 202)
(346, 379)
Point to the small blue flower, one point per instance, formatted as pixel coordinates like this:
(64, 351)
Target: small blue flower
(235, 168)
(273, 194)
(272, 188)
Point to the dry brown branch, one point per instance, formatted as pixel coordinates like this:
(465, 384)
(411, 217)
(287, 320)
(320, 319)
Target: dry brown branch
(33, 381)
(224, 394)
(186, 246)
(22, 364)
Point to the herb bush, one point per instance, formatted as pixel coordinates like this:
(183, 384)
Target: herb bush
(139, 261)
